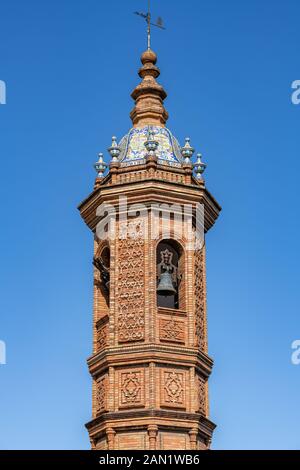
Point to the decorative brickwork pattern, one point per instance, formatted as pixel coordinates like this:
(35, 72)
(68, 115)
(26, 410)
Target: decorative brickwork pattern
(171, 331)
(200, 300)
(131, 283)
(201, 394)
(132, 385)
(135, 175)
(101, 394)
(102, 336)
(173, 389)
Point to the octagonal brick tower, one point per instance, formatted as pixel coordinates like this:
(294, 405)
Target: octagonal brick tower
(150, 363)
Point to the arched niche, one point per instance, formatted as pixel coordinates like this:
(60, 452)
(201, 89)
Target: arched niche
(170, 259)
(102, 263)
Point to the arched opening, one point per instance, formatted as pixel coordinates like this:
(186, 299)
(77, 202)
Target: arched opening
(102, 263)
(169, 272)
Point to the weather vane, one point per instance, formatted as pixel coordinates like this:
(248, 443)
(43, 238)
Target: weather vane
(147, 17)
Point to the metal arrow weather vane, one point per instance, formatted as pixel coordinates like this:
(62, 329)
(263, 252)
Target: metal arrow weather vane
(147, 17)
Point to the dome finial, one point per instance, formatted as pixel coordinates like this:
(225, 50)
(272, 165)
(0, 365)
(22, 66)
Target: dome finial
(187, 151)
(114, 150)
(100, 166)
(199, 167)
(149, 95)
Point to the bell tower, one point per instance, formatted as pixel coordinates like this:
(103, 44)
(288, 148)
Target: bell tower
(149, 214)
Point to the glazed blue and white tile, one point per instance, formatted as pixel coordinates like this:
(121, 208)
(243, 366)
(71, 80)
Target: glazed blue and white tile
(133, 150)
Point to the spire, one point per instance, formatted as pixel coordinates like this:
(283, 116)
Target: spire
(149, 28)
(149, 95)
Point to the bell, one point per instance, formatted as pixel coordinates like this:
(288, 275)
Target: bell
(165, 286)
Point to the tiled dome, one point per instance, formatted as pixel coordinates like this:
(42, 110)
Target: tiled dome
(133, 150)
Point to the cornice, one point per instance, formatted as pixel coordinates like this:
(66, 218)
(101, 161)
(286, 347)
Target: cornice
(179, 419)
(146, 353)
(150, 191)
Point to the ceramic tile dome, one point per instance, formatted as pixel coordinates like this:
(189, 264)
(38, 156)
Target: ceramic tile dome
(133, 150)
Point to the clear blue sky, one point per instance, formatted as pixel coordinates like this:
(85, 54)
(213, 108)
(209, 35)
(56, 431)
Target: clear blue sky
(70, 68)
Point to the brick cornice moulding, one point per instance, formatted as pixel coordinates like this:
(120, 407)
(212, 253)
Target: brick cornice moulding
(150, 192)
(178, 419)
(144, 354)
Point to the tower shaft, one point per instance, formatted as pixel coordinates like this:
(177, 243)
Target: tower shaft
(150, 363)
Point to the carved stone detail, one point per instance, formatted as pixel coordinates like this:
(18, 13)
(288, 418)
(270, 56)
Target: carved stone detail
(173, 389)
(131, 284)
(132, 388)
(200, 300)
(101, 388)
(171, 330)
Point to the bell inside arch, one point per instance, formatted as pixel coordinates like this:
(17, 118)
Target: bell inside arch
(165, 286)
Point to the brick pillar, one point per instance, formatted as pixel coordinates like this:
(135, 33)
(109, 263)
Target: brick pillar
(110, 433)
(193, 438)
(152, 432)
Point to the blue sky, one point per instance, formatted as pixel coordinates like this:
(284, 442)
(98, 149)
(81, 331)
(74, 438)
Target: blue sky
(69, 68)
